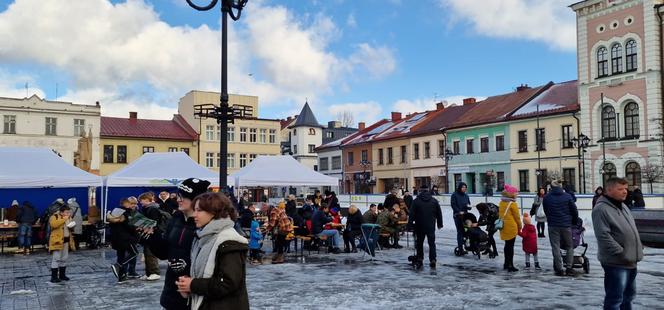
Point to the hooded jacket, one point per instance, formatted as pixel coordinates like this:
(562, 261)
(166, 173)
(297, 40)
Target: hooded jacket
(618, 241)
(425, 213)
(459, 200)
(559, 208)
(122, 234)
(27, 214)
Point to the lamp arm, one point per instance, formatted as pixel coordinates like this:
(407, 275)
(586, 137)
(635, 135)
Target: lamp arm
(202, 8)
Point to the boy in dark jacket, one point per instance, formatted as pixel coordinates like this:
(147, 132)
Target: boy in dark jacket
(123, 239)
(460, 203)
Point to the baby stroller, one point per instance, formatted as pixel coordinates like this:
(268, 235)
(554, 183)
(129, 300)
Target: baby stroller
(475, 240)
(580, 259)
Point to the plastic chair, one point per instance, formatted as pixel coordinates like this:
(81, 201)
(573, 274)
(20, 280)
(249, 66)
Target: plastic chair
(369, 241)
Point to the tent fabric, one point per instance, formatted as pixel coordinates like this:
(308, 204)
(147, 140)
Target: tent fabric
(161, 170)
(28, 167)
(280, 170)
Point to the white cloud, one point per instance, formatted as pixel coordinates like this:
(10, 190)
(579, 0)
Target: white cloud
(378, 61)
(13, 86)
(368, 112)
(548, 21)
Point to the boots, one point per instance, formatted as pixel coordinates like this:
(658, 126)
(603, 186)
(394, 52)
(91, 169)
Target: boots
(527, 265)
(537, 266)
(54, 275)
(278, 259)
(62, 274)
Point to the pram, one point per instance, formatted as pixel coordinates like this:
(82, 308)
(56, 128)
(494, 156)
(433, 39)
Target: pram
(580, 259)
(475, 240)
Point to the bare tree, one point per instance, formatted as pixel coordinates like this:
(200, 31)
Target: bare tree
(652, 173)
(346, 118)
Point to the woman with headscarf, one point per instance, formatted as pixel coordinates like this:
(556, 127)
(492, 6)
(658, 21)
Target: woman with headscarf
(508, 211)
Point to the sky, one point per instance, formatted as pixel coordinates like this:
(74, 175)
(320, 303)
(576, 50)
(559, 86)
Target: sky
(369, 57)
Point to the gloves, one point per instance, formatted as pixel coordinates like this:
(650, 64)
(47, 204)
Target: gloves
(177, 265)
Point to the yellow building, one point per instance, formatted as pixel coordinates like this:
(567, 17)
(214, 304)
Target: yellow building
(247, 138)
(124, 140)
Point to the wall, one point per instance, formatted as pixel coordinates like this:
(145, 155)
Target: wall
(396, 170)
(135, 150)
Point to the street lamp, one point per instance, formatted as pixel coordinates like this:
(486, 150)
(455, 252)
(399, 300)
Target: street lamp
(581, 143)
(365, 164)
(447, 156)
(223, 113)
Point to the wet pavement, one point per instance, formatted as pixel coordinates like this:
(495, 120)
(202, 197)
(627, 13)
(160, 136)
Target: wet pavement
(343, 281)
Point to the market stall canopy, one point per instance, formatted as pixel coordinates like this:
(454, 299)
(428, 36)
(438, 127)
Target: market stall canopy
(280, 170)
(28, 167)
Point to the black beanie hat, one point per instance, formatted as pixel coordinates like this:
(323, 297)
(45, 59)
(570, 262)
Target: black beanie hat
(192, 187)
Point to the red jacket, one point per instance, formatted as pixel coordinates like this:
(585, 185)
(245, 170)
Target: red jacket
(529, 235)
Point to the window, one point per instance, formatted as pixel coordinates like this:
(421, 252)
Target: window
(185, 150)
(469, 146)
(209, 159)
(567, 137)
(630, 56)
(441, 147)
(172, 149)
(295, 132)
(312, 132)
(230, 134)
(416, 151)
(243, 160)
(79, 127)
(500, 143)
(350, 158)
(608, 123)
(294, 148)
(457, 179)
(148, 149)
(252, 157)
(365, 156)
(390, 156)
(427, 150)
(219, 160)
(218, 137)
(323, 163)
(609, 171)
(403, 155)
(632, 120)
(633, 175)
(380, 156)
(456, 147)
(108, 154)
(500, 181)
(329, 135)
(9, 124)
(523, 141)
(540, 139)
(616, 59)
(312, 148)
(122, 154)
(542, 177)
(51, 126)
(230, 160)
(263, 136)
(243, 134)
(569, 176)
(209, 133)
(273, 136)
(602, 62)
(336, 162)
(252, 135)
(484, 145)
(523, 181)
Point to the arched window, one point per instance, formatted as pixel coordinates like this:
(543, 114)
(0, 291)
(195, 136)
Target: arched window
(630, 56)
(602, 62)
(609, 170)
(608, 123)
(632, 120)
(616, 59)
(633, 175)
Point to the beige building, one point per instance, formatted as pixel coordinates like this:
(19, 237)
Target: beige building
(247, 138)
(124, 140)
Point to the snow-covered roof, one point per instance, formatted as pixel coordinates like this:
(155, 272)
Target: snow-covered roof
(559, 97)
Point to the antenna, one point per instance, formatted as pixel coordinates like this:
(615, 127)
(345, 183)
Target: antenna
(26, 89)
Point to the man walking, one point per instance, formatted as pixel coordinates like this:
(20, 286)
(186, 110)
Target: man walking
(425, 213)
(619, 247)
(460, 204)
(561, 212)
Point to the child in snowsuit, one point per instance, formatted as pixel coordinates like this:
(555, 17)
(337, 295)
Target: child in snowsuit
(529, 235)
(255, 243)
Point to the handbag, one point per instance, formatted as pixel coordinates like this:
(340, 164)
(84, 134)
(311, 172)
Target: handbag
(499, 223)
(540, 213)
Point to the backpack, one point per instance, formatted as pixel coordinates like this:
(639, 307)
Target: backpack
(164, 218)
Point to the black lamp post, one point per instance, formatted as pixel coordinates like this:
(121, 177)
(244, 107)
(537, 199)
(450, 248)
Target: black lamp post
(223, 113)
(581, 143)
(365, 164)
(446, 156)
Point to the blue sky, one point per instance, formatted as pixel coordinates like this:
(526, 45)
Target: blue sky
(369, 57)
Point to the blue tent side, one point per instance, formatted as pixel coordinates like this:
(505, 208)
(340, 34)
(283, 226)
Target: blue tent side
(41, 198)
(115, 194)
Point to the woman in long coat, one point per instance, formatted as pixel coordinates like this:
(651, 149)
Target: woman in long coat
(508, 211)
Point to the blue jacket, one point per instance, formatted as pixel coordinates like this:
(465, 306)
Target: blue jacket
(460, 200)
(255, 237)
(318, 220)
(560, 208)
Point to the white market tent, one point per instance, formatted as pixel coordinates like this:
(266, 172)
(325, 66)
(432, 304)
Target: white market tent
(28, 167)
(281, 170)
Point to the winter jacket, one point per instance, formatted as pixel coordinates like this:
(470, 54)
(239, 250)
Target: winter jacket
(354, 220)
(291, 208)
(408, 199)
(535, 208)
(459, 200)
(246, 217)
(26, 214)
(559, 208)
(174, 245)
(425, 213)
(370, 217)
(529, 235)
(12, 213)
(255, 236)
(318, 200)
(637, 195)
(307, 211)
(318, 220)
(618, 241)
(76, 216)
(511, 219)
(169, 205)
(489, 218)
(57, 238)
(390, 201)
(122, 234)
(280, 221)
(387, 221)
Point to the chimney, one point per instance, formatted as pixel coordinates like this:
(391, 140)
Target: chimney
(97, 103)
(333, 124)
(470, 100)
(440, 106)
(361, 125)
(396, 116)
(522, 87)
(133, 115)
